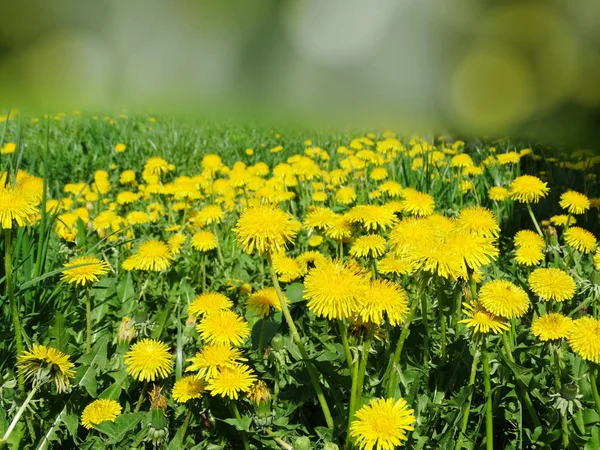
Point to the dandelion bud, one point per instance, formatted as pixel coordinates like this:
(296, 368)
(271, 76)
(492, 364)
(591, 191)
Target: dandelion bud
(126, 331)
(302, 443)
(277, 342)
(330, 446)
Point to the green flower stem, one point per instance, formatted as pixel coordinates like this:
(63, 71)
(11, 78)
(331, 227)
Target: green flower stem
(203, 267)
(400, 345)
(284, 445)
(426, 326)
(88, 321)
(10, 293)
(522, 390)
(298, 341)
(20, 412)
(219, 254)
(138, 405)
(238, 416)
(593, 373)
(352, 406)
(363, 364)
(344, 334)
(263, 332)
(487, 386)
(442, 322)
(535, 222)
(557, 386)
(465, 418)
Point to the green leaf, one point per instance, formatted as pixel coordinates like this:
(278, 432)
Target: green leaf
(594, 442)
(71, 421)
(295, 292)
(59, 338)
(271, 330)
(162, 317)
(121, 381)
(122, 425)
(242, 424)
(90, 364)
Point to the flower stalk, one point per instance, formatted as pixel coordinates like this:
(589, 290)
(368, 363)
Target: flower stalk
(10, 293)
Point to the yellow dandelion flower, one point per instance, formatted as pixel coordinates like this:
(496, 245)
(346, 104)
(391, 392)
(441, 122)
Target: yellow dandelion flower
(339, 229)
(175, 242)
(266, 229)
(528, 238)
(262, 301)
(17, 208)
(418, 203)
(41, 358)
(345, 195)
(574, 202)
(100, 411)
(381, 297)
(372, 217)
(552, 284)
(478, 220)
(597, 259)
(187, 388)
(584, 338)
(508, 158)
(315, 241)
(334, 290)
(230, 382)
(148, 360)
(383, 424)
(392, 188)
(551, 326)
(287, 268)
(204, 241)
(208, 215)
(127, 197)
(372, 245)
(580, 239)
(152, 255)
(209, 302)
(498, 193)
(378, 174)
(397, 265)
(214, 358)
(562, 220)
(90, 268)
(502, 298)
(259, 394)
(320, 218)
(528, 189)
(223, 327)
(482, 321)
(529, 255)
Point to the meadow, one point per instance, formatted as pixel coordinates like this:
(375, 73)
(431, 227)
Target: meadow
(183, 284)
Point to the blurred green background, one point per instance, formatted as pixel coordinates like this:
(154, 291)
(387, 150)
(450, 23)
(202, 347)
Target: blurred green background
(463, 66)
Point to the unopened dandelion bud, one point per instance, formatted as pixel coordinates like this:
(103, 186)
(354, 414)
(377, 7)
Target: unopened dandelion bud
(302, 443)
(126, 331)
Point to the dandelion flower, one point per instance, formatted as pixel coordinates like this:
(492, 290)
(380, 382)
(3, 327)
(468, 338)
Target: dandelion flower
(584, 338)
(339, 229)
(204, 241)
(90, 268)
(418, 203)
(262, 301)
(574, 202)
(383, 424)
(372, 245)
(223, 327)
(345, 195)
(551, 326)
(315, 241)
(148, 360)
(175, 243)
(528, 238)
(504, 299)
(580, 239)
(478, 220)
(381, 297)
(208, 215)
(120, 147)
(334, 290)
(498, 193)
(50, 360)
(529, 256)
(287, 268)
(391, 264)
(320, 218)
(100, 411)
(16, 207)
(259, 394)
(597, 259)
(482, 321)
(266, 229)
(152, 255)
(563, 220)
(213, 358)
(372, 217)
(528, 189)
(187, 388)
(552, 284)
(209, 302)
(231, 381)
